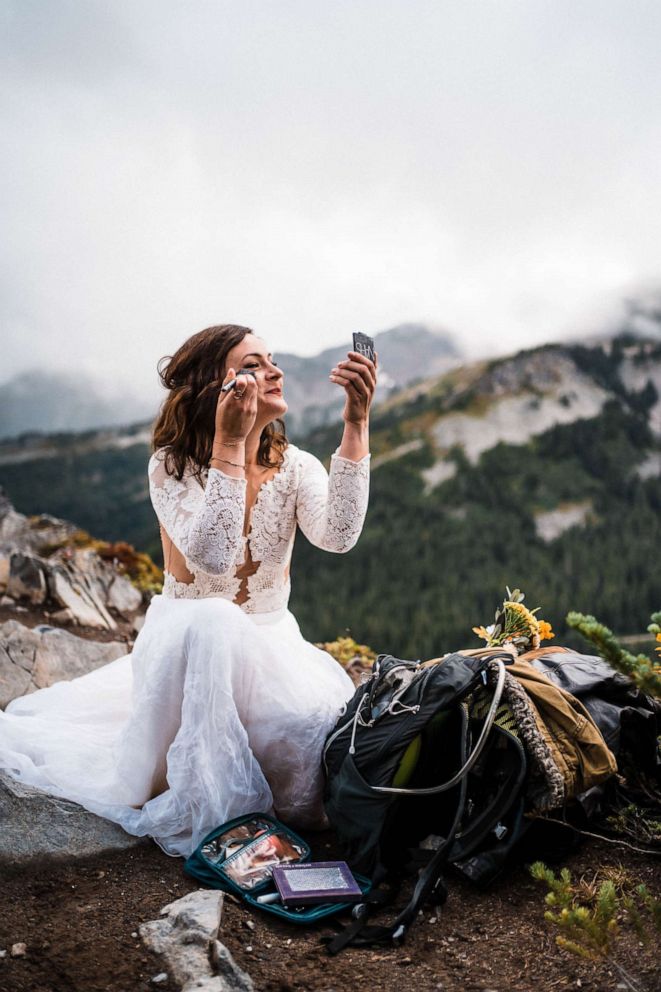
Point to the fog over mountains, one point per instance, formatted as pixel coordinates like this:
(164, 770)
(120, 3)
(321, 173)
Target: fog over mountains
(51, 402)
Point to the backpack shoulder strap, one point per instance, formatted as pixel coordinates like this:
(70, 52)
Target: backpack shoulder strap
(358, 933)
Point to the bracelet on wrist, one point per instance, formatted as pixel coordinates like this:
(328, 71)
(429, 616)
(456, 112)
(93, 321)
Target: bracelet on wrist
(227, 444)
(225, 461)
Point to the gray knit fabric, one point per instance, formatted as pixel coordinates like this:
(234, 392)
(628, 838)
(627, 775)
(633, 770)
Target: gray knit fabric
(546, 787)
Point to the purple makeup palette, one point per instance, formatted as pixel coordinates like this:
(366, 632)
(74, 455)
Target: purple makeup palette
(308, 884)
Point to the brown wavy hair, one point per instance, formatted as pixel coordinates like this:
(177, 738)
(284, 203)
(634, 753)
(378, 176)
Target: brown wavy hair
(185, 424)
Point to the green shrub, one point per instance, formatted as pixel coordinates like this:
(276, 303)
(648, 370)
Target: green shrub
(590, 916)
(644, 671)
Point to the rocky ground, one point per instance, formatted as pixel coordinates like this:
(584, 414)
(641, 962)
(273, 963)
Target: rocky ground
(76, 895)
(79, 922)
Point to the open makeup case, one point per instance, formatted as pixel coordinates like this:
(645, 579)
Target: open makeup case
(239, 857)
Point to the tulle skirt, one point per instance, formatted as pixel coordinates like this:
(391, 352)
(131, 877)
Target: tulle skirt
(214, 713)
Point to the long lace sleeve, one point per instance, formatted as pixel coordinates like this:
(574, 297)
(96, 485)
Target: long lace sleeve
(331, 507)
(206, 525)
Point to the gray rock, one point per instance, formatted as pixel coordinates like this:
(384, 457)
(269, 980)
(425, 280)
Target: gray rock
(62, 617)
(15, 672)
(77, 580)
(186, 936)
(38, 534)
(37, 561)
(76, 593)
(123, 596)
(13, 526)
(45, 533)
(27, 579)
(36, 825)
(33, 658)
(235, 978)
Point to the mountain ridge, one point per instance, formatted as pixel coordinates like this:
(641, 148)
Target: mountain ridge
(540, 469)
(39, 402)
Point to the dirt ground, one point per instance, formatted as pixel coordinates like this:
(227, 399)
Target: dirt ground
(80, 921)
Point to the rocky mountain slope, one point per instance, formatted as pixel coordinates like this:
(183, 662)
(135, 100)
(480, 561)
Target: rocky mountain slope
(406, 353)
(540, 470)
(513, 400)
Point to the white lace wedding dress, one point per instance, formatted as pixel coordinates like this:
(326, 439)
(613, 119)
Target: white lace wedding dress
(220, 709)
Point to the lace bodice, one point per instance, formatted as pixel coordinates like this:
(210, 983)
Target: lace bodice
(206, 523)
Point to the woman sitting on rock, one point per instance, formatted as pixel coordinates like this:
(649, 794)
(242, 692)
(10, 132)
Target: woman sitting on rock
(222, 707)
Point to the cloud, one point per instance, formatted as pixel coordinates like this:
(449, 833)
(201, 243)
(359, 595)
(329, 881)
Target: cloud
(310, 169)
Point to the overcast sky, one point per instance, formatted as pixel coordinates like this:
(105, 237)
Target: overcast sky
(311, 167)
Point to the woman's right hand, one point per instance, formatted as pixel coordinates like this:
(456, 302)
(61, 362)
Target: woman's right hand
(236, 409)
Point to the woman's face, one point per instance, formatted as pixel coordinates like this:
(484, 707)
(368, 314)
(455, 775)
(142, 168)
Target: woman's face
(252, 353)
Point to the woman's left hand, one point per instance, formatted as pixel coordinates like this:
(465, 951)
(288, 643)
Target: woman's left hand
(357, 376)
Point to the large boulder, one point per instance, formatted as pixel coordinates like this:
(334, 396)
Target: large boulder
(45, 533)
(79, 593)
(36, 825)
(39, 533)
(40, 563)
(79, 580)
(33, 658)
(123, 596)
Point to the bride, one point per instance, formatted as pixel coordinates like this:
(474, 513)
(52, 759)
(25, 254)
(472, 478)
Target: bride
(222, 707)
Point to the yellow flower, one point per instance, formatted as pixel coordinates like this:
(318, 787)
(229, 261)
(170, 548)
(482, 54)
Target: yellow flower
(545, 632)
(658, 637)
(515, 624)
(523, 613)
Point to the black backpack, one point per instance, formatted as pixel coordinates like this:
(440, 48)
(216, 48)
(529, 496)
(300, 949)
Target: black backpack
(424, 753)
